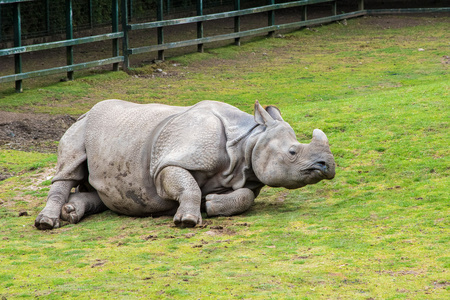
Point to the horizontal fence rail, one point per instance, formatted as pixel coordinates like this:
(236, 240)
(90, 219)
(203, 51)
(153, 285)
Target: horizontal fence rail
(70, 68)
(59, 44)
(391, 11)
(116, 35)
(223, 15)
(270, 9)
(245, 33)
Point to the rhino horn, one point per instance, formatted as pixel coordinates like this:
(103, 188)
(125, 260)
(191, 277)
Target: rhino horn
(319, 136)
(262, 117)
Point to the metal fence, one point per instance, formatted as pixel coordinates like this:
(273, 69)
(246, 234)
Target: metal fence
(68, 43)
(69, 16)
(47, 17)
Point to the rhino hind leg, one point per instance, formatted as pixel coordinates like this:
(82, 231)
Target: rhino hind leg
(230, 204)
(175, 183)
(81, 205)
(71, 172)
(59, 192)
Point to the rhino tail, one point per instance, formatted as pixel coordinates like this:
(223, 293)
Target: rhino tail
(81, 117)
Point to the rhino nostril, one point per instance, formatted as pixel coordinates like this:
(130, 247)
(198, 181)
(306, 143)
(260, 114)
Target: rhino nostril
(322, 164)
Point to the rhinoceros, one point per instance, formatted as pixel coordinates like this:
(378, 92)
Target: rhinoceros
(153, 159)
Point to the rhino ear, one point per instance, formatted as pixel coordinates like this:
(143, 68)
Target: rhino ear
(319, 136)
(274, 112)
(262, 117)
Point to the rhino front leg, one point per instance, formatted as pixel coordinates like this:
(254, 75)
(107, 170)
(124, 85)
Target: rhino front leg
(59, 192)
(80, 205)
(233, 203)
(178, 184)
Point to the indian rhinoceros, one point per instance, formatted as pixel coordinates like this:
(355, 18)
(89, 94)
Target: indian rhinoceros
(154, 159)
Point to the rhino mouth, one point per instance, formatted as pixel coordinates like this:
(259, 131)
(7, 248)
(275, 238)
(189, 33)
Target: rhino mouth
(320, 170)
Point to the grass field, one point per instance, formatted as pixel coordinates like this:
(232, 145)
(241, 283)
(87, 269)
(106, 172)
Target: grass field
(379, 230)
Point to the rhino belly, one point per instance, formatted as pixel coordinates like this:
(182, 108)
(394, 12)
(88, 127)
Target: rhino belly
(125, 191)
(134, 201)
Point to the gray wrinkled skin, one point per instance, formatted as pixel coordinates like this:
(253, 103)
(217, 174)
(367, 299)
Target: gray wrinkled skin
(152, 159)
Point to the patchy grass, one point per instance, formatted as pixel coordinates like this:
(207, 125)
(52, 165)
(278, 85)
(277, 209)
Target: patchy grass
(12, 161)
(379, 230)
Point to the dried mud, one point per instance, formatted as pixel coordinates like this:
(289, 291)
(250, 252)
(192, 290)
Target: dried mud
(32, 132)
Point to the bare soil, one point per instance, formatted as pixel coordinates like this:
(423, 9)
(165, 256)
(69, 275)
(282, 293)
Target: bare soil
(32, 132)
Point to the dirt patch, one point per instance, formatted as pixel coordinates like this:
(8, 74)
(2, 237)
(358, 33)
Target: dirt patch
(396, 22)
(401, 273)
(32, 132)
(4, 175)
(441, 284)
(220, 230)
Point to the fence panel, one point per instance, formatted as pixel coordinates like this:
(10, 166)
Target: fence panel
(71, 21)
(270, 28)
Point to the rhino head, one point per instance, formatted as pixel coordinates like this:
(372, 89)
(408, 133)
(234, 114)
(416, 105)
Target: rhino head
(279, 160)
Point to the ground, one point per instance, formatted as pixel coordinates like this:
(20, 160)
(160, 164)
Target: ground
(379, 230)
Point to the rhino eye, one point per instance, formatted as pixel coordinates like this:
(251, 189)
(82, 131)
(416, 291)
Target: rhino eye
(292, 151)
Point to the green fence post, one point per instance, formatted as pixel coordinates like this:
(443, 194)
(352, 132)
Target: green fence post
(17, 43)
(304, 13)
(126, 62)
(47, 16)
(159, 17)
(200, 25)
(131, 10)
(271, 18)
(360, 4)
(237, 22)
(334, 8)
(91, 13)
(1, 30)
(69, 36)
(115, 28)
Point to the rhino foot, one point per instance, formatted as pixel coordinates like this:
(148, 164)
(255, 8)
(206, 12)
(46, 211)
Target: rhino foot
(69, 213)
(210, 211)
(186, 220)
(45, 223)
(230, 204)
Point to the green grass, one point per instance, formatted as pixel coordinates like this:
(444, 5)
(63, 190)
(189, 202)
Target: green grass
(13, 161)
(379, 230)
